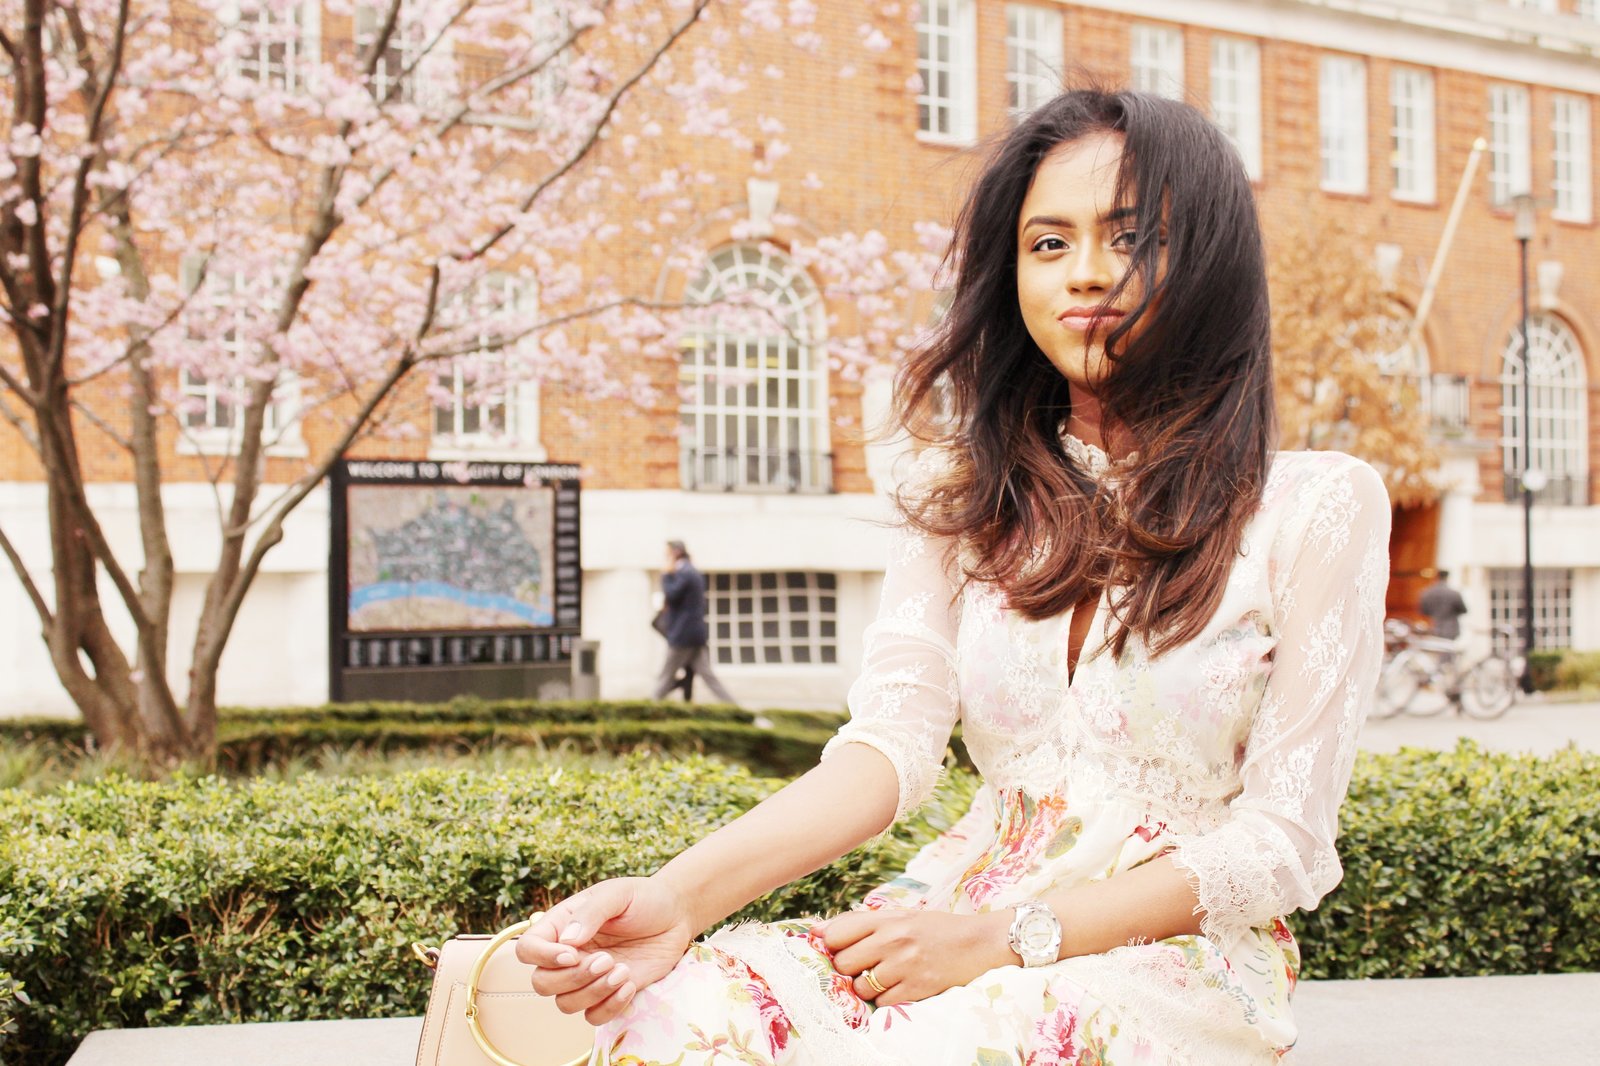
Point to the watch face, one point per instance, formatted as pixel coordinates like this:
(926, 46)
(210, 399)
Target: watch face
(1036, 933)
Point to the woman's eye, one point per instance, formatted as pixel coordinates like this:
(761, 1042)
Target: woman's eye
(1126, 239)
(1049, 244)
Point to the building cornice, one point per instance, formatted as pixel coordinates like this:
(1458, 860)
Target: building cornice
(1476, 36)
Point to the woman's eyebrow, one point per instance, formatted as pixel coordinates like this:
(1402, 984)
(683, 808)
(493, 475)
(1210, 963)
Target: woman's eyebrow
(1055, 221)
(1059, 222)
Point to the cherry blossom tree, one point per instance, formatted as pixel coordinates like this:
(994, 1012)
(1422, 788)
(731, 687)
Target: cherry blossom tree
(243, 236)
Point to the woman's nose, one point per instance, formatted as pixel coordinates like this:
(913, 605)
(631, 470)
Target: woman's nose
(1090, 270)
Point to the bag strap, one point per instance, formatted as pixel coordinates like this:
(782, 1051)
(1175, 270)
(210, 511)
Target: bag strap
(503, 937)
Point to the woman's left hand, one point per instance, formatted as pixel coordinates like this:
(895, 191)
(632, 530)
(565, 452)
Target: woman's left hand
(915, 954)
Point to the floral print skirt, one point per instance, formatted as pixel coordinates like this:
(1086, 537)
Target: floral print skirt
(768, 995)
(715, 1008)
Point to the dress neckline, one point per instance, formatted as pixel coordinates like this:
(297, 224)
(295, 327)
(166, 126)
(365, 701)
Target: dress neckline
(1092, 459)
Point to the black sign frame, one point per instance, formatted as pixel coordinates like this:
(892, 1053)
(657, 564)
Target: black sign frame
(467, 650)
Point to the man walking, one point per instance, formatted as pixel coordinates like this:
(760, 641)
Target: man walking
(1444, 606)
(685, 592)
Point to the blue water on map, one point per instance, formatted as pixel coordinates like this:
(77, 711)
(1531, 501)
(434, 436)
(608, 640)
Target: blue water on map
(383, 591)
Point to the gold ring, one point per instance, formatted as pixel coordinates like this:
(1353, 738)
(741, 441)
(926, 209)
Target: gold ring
(873, 981)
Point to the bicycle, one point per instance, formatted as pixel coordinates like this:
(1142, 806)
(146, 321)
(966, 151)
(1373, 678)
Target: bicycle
(1423, 674)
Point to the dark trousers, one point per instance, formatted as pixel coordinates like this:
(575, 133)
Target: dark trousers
(695, 658)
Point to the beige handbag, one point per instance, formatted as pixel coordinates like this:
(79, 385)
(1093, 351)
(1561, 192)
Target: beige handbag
(483, 1009)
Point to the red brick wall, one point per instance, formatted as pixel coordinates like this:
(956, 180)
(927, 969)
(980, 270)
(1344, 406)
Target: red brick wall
(858, 134)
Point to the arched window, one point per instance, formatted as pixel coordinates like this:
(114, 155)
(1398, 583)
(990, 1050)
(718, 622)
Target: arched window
(752, 381)
(1560, 435)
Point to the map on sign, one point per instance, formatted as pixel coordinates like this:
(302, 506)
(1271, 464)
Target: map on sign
(446, 557)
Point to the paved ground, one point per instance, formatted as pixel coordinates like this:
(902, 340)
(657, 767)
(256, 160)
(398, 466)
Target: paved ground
(1535, 724)
(1542, 1021)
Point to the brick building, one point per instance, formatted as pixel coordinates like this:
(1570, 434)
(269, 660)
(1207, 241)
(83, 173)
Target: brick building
(1363, 113)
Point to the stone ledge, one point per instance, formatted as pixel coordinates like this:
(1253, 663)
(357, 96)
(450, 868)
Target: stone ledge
(1548, 1019)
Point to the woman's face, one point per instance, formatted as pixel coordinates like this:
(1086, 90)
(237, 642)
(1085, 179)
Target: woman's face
(1072, 249)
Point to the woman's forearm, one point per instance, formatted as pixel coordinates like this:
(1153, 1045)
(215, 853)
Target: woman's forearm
(1150, 902)
(816, 818)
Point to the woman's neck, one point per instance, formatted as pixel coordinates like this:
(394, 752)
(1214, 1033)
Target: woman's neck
(1089, 424)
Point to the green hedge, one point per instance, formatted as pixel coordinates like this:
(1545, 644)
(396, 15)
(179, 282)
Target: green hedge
(127, 903)
(1578, 670)
(780, 743)
(1463, 863)
(200, 900)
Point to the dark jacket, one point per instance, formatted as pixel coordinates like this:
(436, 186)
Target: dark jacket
(685, 591)
(1444, 607)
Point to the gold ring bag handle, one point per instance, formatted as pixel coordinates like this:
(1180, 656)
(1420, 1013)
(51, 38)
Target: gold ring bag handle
(505, 936)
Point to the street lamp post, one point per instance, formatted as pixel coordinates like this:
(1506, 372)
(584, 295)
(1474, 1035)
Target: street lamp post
(1523, 228)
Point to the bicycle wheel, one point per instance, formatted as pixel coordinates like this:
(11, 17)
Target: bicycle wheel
(1489, 689)
(1401, 678)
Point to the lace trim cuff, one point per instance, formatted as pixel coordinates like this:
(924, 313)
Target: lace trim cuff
(1235, 882)
(917, 781)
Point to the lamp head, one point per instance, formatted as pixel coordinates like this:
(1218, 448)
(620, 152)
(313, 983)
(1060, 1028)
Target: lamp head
(1522, 223)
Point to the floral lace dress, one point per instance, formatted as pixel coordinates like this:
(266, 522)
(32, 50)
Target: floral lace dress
(1231, 754)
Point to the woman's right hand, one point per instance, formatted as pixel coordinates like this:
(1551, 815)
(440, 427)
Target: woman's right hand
(594, 950)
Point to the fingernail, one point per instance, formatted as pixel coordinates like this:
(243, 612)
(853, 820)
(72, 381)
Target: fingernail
(566, 958)
(626, 993)
(600, 963)
(616, 977)
(572, 932)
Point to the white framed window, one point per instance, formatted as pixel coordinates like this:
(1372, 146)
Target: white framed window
(774, 618)
(1411, 134)
(552, 25)
(1552, 608)
(418, 62)
(1559, 410)
(233, 322)
(1570, 179)
(272, 45)
(1156, 55)
(1034, 58)
(752, 381)
(1342, 109)
(1548, 7)
(947, 66)
(1510, 163)
(480, 401)
(1588, 9)
(1236, 97)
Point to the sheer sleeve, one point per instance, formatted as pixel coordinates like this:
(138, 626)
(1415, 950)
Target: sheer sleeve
(1275, 854)
(905, 703)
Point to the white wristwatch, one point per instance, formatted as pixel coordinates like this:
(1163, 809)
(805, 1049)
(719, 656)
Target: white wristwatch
(1035, 934)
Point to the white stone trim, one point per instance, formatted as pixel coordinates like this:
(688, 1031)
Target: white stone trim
(1478, 36)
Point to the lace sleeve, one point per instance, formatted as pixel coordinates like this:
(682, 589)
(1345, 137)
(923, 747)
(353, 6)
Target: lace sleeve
(905, 702)
(1276, 853)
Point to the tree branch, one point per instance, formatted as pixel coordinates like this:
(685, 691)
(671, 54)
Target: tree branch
(80, 188)
(46, 619)
(29, 435)
(102, 425)
(582, 150)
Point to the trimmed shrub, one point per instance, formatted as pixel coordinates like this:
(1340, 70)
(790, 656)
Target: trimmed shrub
(1578, 670)
(1542, 667)
(1463, 863)
(126, 903)
(250, 741)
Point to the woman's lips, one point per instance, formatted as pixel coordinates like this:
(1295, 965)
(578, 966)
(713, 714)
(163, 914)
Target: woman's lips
(1084, 321)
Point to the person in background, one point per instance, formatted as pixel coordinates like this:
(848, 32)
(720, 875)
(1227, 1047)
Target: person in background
(1444, 606)
(684, 589)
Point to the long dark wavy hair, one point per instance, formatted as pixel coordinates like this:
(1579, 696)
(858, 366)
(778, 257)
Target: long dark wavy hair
(1190, 379)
